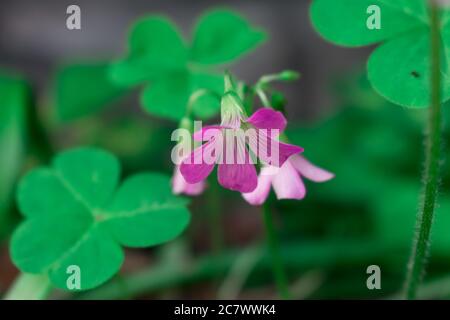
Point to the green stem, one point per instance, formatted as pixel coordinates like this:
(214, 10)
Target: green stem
(40, 142)
(264, 99)
(431, 175)
(277, 264)
(274, 249)
(215, 219)
(29, 287)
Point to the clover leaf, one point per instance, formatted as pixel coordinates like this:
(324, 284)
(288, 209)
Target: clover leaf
(399, 69)
(174, 69)
(221, 37)
(84, 88)
(76, 215)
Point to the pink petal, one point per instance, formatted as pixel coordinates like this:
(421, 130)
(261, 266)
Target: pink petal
(266, 118)
(180, 186)
(236, 169)
(287, 184)
(261, 145)
(286, 151)
(238, 177)
(194, 168)
(206, 133)
(310, 171)
(259, 195)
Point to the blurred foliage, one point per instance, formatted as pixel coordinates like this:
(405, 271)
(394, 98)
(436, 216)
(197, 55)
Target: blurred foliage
(14, 109)
(404, 48)
(141, 143)
(83, 89)
(220, 37)
(170, 69)
(375, 150)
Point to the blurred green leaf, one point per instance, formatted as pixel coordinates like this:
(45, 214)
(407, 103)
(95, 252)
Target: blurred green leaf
(399, 69)
(14, 100)
(222, 36)
(141, 144)
(168, 97)
(155, 49)
(74, 216)
(345, 22)
(157, 55)
(83, 89)
(208, 104)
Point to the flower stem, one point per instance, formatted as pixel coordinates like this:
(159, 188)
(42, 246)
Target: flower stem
(40, 143)
(29, 287)
(264, 99)
(277, 263)
(274, 250)
(215, 219)
(431, 175)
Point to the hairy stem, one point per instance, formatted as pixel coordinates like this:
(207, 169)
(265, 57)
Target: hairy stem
(274, 249)
(29, 287)
(432, 163)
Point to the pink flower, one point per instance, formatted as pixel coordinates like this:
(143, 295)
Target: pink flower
(287, 180)
(239, 172)
(180, 186)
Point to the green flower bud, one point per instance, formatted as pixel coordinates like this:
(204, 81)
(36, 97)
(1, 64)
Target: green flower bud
(289, 75)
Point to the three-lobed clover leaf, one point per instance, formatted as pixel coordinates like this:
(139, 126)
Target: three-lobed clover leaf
(399, 69)
(174, 70)
(77, 215)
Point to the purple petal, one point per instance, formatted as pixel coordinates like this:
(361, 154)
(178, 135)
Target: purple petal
(238, 177)
(204, 135)
(180, 186)
(310, 171)
(271, 151)
(266, 118)
(195, 168)
(286, 151)
(287, 184)
(259, 195)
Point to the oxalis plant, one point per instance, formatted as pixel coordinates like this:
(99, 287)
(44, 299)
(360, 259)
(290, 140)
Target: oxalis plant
(78, 211)
(409, 68)
(239, 145)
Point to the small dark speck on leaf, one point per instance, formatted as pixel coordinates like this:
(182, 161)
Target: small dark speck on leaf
(415, 74)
